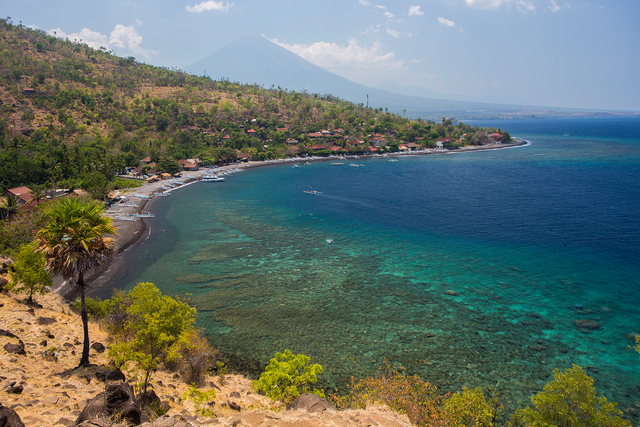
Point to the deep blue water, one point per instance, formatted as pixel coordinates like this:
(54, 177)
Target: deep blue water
(464, 268)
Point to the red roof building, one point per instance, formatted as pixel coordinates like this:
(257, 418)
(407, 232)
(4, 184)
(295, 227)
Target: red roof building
(23, 194)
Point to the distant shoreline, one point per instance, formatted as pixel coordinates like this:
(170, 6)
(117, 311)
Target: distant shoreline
(130, 233)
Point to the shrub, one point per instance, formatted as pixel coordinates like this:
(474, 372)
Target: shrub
(96, 309)
(196, 356)
(409, 395)
(570, 400)
(200, 399)
(470, 408)
(28, 274)
(288, 376)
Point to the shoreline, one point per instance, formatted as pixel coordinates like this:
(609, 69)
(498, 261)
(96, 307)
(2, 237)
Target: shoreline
(130, 233)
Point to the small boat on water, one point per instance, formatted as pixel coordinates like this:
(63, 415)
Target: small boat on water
(337, 164)
(211, 178)
(328, 240)
(295, 166)
(356, 165)
(311, 190)
(393, 160)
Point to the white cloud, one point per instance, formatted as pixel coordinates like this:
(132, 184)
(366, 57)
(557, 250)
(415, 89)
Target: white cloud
(334, 56)
(126, 38)
(129, 39)
(485, 4)
(210, 5)
(525, 6)
(138, 22)
(393, 33)
(446, 22)
(554, 6)
(415, 11)
(363, 2)
(389, 15)
(379, 6)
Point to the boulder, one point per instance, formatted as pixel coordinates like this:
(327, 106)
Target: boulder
(149, 399)
(117, 400)
(9, 417)
(311, 403)
(15, 389)
(15, 348)
(4, 333)
(98, 347)
(46, 320)
(110, 375)
(3, 281)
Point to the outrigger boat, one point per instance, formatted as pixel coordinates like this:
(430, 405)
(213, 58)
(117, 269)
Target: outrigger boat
(312, 191)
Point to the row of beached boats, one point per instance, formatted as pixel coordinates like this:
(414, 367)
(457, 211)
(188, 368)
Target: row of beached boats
(214, 175)
(129, 201)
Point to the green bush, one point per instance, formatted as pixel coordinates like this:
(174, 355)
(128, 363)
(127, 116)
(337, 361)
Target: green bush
(288, 376)
(471, 408)
(570, 400)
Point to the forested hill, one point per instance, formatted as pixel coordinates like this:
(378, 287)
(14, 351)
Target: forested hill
(72, 113)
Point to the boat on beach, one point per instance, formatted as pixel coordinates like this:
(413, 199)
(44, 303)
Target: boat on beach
(211, 178)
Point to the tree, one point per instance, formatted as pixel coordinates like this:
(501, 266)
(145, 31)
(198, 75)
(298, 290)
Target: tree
(96, 184)
(29, 275)
(8, 206)
(156, 325)
(288, 376)
(570, 400)
(37, 194)
(73, 242)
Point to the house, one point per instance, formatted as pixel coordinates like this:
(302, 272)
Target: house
(23, 195)
(146, 160)
(28, 91)
(440, 143)
(336, 148)
(318, 147)
(412, 146)
(315, 135)
(243, 157)
(403, 148)
(190, 167)
(183, 162)
(284, 129)
(252, 132)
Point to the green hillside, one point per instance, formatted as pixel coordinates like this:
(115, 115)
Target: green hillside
(71, 113)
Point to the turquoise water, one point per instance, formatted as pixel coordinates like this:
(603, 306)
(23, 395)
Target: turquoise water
(469, 269)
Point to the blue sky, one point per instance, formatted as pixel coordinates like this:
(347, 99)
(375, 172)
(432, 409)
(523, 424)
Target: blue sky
(558, 53)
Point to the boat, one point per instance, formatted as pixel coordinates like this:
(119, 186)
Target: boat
(311, 190)
(337, 164)
(356, 165)
(211, 178)
(125, 218)
(295, 166)
(143, 214)
(328, 240)
(393, 160)
(162, 194)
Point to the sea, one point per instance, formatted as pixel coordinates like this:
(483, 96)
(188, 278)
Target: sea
(490, 268)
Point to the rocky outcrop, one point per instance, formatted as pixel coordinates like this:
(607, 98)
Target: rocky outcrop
(587, 325)
(309, 402)
(117, 400)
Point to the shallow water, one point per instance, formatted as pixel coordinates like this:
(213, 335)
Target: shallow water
(468, 269)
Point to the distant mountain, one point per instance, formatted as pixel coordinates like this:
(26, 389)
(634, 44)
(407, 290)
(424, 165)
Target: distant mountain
(254, 59)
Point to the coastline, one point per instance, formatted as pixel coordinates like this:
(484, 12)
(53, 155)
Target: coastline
(130, 233)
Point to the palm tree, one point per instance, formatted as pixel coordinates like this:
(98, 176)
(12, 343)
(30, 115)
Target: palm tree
(73, 242)
(8, 206)
(37, 194)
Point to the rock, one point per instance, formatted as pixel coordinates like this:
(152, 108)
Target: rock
(452, 293)
(311, 403)
(234, 394)
(15, 389)
(110, 375)
(4, 333)
(98, 347)
(234, 406)
(68, 345)
(164, 421)
(31, 311)
(3, 282)
(117, 400)
(65, 422)
(586, 324)
(96, 422)
(15, 348)
(150, 399)
(535, 315)
(9, 417)
(46, 320)
(43, 343)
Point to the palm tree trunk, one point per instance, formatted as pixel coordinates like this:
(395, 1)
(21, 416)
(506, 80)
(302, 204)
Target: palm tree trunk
(84, 361)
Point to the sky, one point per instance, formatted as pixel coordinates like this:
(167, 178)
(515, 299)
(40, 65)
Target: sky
(556, 53)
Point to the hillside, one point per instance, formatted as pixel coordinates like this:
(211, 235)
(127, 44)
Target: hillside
(72, 116)
(53, 392)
